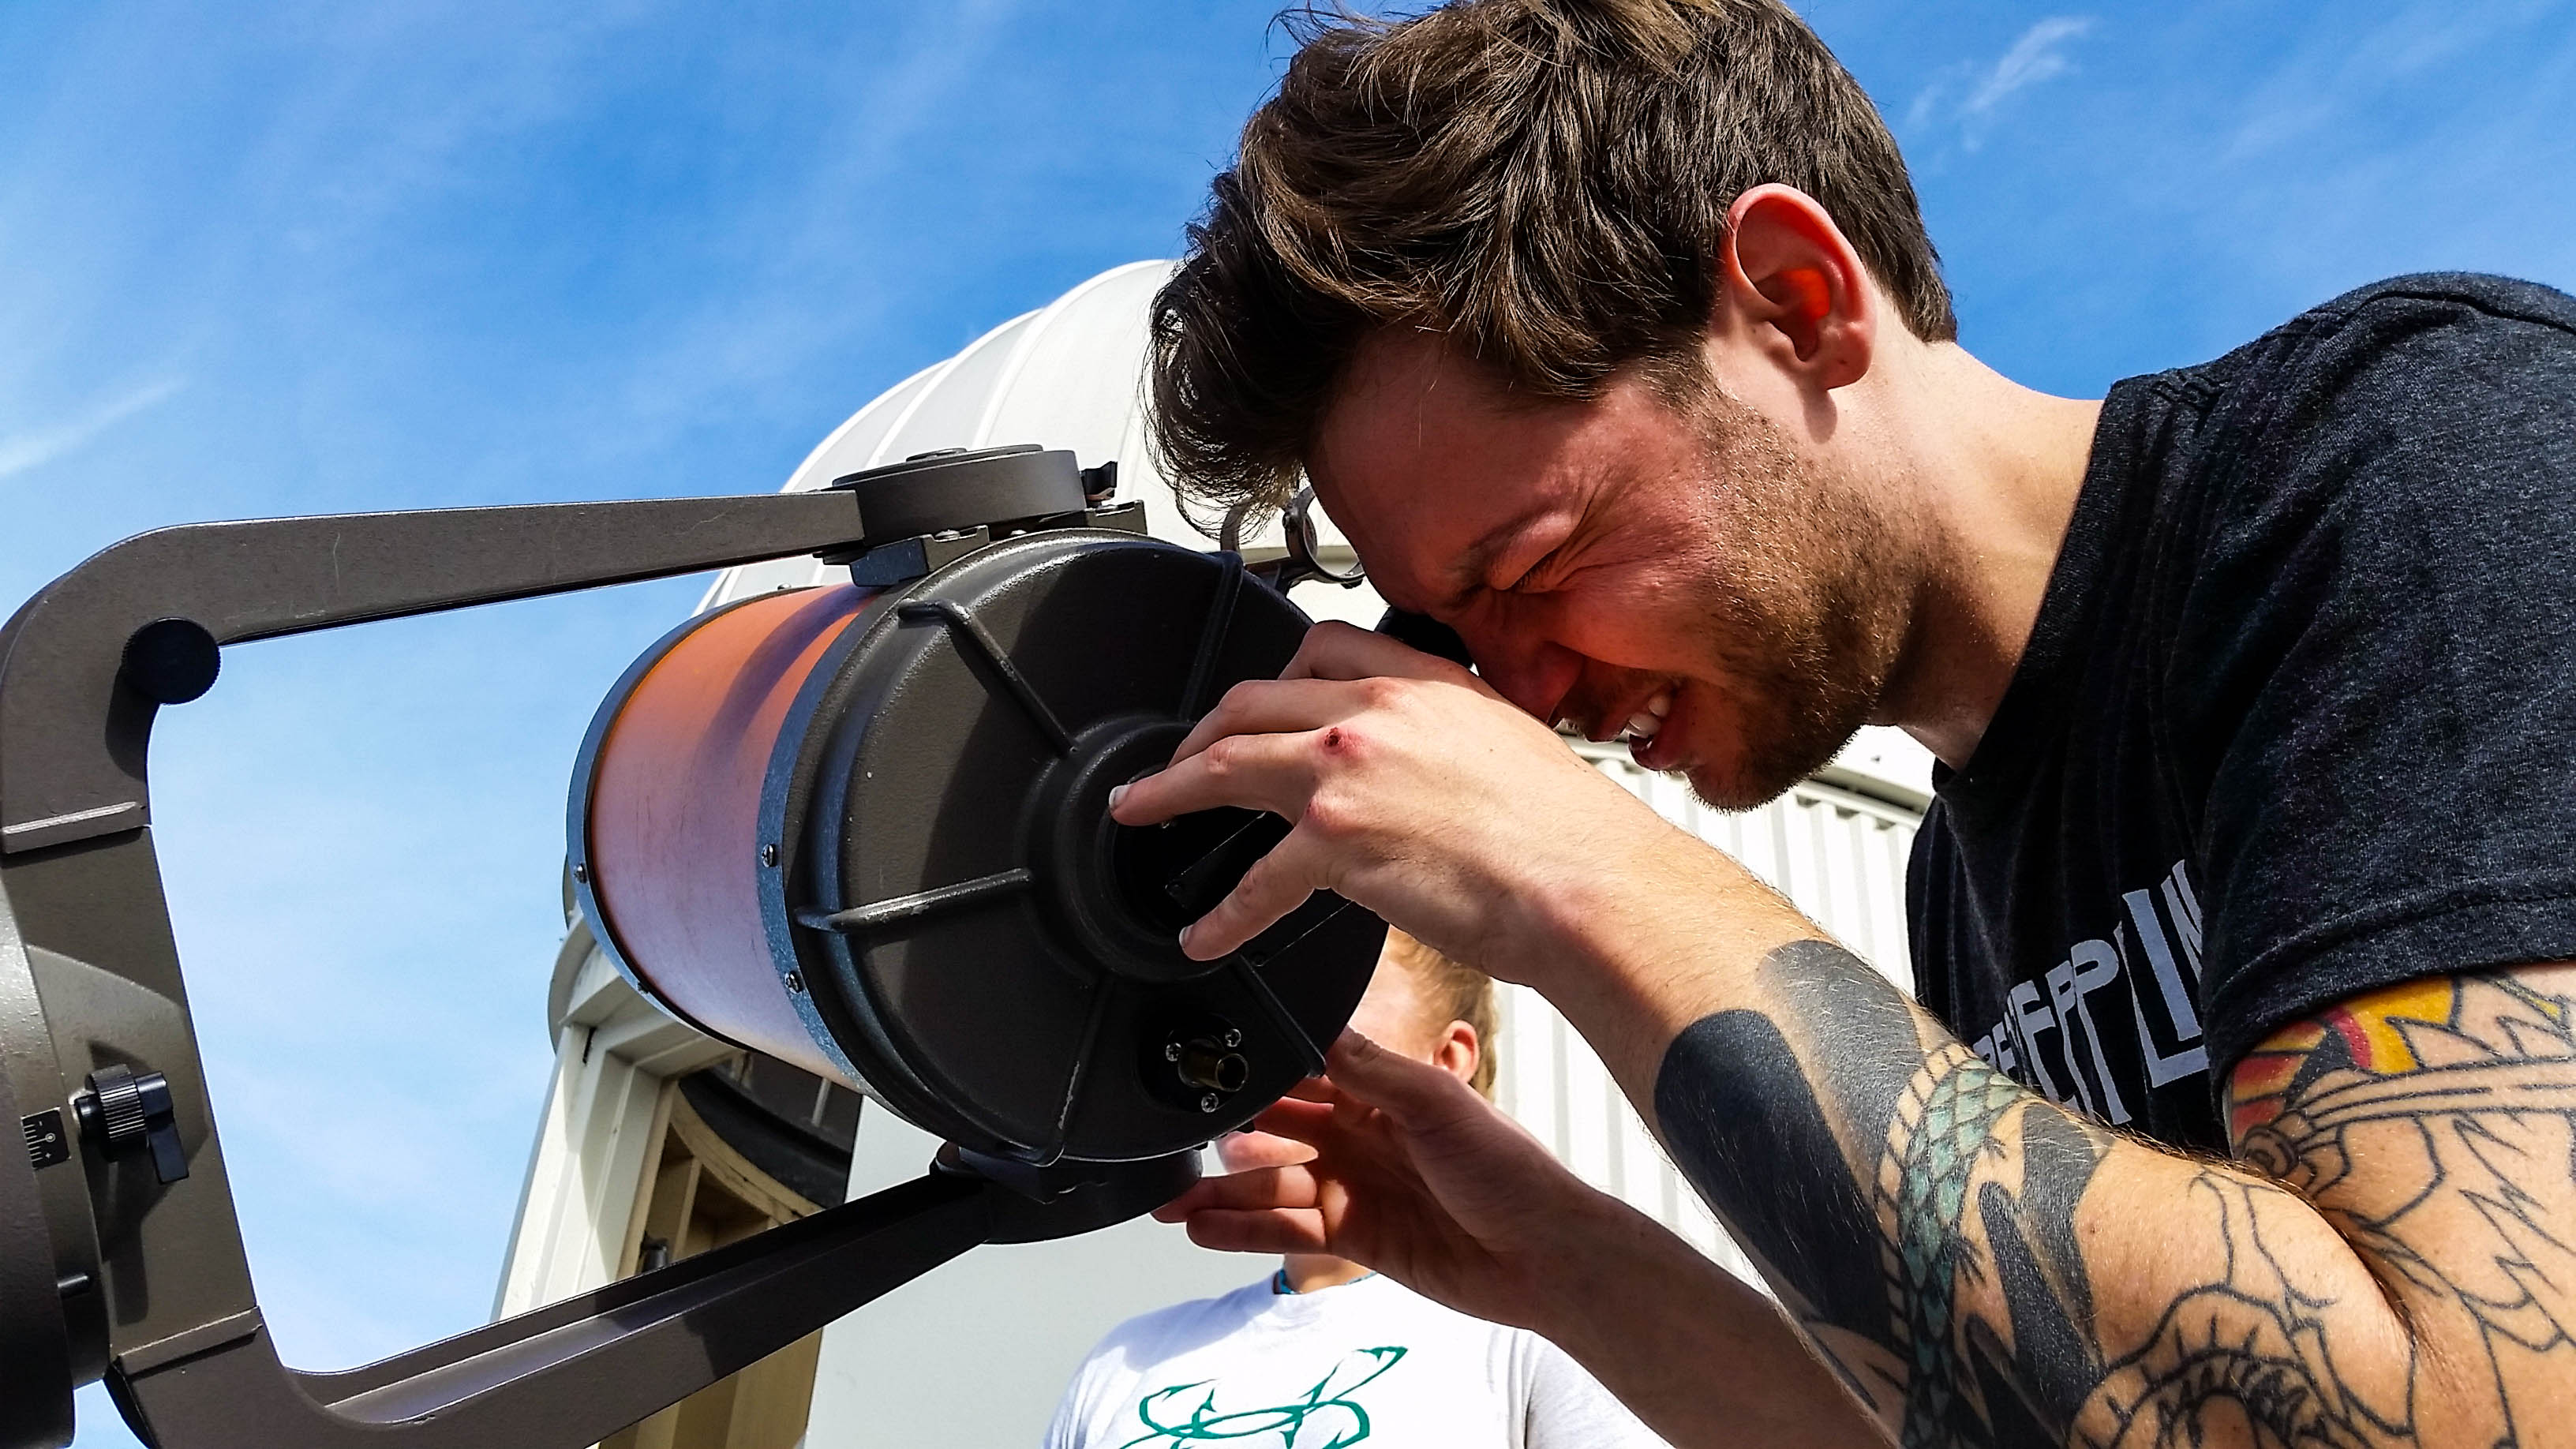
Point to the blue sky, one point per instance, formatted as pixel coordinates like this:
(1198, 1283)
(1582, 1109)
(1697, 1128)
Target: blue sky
(300, 258)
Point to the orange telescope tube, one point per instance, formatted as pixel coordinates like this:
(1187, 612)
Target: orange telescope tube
(675, 770)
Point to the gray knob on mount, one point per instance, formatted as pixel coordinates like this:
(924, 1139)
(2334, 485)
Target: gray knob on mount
(124, 1111)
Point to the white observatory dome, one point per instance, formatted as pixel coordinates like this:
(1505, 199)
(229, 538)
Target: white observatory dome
(1069, 375)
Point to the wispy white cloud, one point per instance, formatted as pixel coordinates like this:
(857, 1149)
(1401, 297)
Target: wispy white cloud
(35, 447)
(1971, 95)
(2040, 55)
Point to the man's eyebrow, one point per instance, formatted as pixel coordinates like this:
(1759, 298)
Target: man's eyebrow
(1468, 575)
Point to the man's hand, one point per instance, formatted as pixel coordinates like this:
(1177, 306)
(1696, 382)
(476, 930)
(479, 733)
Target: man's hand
(1407, 1171)
(1404, 1169)
(1415, 790)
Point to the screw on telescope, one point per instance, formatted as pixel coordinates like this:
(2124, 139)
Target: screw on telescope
(124, 1110)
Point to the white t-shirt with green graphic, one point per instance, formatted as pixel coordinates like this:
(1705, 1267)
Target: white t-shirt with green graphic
(1368, 1363)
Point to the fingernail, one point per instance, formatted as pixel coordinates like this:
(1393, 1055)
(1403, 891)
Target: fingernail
(1116, 794)
(1185, 936)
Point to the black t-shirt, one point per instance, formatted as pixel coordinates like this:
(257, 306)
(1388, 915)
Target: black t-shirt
(2298, 717)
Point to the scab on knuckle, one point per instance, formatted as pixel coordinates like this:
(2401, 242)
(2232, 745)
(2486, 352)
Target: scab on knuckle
(1342, 744)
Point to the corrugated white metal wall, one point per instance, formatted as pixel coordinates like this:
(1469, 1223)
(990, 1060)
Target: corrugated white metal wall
(1837, 854)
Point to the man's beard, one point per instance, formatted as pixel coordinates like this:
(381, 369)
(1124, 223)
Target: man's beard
(1803, 600)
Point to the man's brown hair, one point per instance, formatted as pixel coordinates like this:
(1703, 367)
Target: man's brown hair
(1545, 181)
(1447, 991)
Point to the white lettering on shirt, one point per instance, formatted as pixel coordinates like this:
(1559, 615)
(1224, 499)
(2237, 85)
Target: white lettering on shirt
(2165, 914)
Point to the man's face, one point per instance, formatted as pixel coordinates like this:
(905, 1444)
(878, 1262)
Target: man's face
(1621, 564)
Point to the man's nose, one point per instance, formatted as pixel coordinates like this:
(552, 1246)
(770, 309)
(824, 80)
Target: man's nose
(1533, 673)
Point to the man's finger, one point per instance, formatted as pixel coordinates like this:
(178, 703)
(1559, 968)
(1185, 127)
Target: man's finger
(1413, 1094)
(1271, 1230)
(1315, 1089)
(1278, 883)
(1262, 1187)
(1298, 1118)
(1273, 707)
(1247, 1151)
(1275, 773)
(1335, 650)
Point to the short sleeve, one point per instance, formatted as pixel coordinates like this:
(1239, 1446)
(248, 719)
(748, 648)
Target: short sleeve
(2372, 687)
(1071, 1427)
(1568, 1408)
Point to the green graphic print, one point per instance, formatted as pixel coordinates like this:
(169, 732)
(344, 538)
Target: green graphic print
(1175, 1417)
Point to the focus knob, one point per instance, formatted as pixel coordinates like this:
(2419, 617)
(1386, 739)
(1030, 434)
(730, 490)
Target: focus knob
(124, 1111)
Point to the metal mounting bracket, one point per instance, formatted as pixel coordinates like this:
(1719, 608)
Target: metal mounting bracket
(129, 1265)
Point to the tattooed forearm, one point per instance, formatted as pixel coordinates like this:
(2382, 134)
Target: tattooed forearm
(1945, 1124)
(1985, 1268)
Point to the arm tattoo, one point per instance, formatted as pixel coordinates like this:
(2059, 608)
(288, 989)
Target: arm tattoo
(1945, 1123)
(2412, 1182)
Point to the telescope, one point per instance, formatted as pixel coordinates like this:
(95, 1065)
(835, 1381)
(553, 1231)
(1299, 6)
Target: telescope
(861, 827)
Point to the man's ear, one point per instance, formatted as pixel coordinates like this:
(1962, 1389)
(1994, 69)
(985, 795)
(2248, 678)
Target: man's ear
(1795, 286)
(1458, 1051)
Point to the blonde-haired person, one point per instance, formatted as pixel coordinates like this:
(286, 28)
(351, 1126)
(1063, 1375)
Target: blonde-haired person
(1325, 1353)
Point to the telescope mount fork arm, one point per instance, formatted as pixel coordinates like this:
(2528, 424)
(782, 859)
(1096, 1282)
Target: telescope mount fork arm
(151, 1286)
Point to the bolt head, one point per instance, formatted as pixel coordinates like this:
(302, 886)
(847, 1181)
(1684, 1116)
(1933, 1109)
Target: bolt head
(1233, 1038)
(1208, 1103)
(1171, 1051)
(580, 872)
(796, 982)
(769, 855)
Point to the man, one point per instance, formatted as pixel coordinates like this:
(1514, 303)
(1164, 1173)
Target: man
(2240, 1107)
(1326, 1353)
